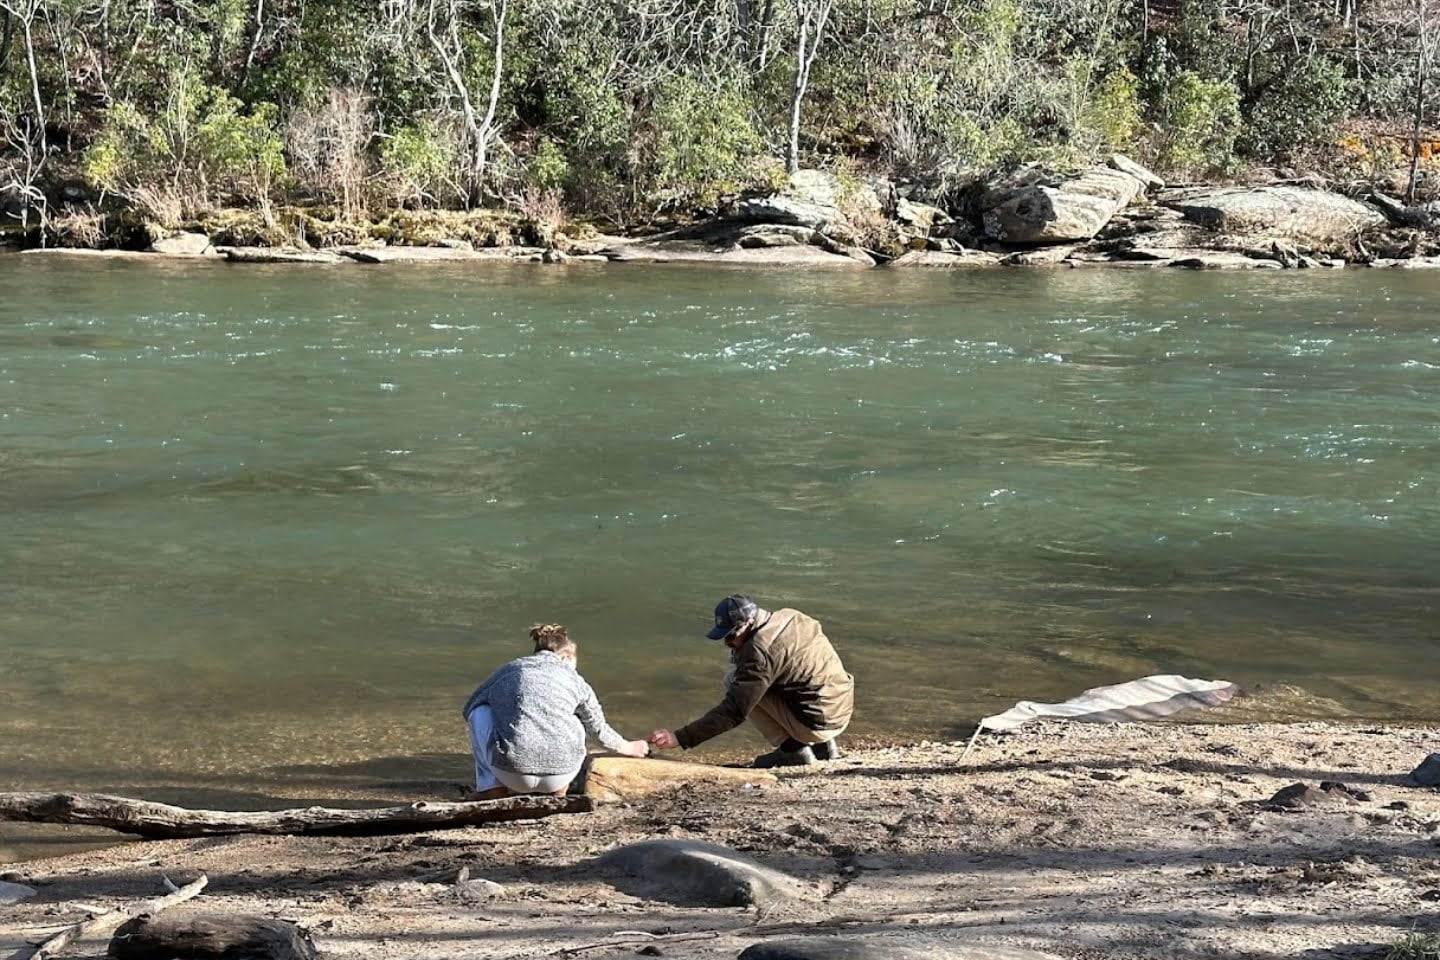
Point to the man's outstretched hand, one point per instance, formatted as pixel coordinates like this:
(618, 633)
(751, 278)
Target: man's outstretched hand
(663, 740)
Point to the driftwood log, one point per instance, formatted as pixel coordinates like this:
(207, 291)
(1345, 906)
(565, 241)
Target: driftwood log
(623, 778)
(101, 922)
(214, 936)
(161, 821)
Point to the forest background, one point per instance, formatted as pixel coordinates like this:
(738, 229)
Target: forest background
(325, 121)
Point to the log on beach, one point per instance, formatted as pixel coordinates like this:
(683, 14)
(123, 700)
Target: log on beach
(161, 821)
(623, 778)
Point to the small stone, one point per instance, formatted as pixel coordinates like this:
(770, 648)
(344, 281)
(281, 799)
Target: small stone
(14, 892)
(478, 891)
(1297, 796)
(1428, 773)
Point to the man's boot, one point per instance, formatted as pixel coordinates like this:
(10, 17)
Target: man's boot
(791, 753)
(829, 750)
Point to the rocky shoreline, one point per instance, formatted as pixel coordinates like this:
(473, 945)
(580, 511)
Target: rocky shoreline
(1090, 842)
(1114, 215)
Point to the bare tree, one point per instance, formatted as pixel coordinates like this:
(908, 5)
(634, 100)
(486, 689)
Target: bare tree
(443, 24)
(26, 134)
(811, 17)
(19, 174)
(1424, 65)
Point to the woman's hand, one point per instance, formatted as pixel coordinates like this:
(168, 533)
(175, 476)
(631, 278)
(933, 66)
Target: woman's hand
(635, 748)
(664, 740)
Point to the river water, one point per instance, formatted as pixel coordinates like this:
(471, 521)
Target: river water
(265, 528)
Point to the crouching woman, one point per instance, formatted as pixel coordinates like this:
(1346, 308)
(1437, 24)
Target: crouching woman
(528, 721)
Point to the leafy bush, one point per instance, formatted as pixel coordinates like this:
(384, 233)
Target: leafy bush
(547, 167)
(705, 145)
(421, 164)
(1298, 110)
(200, 143)
(1111, 115)
(1199, 121)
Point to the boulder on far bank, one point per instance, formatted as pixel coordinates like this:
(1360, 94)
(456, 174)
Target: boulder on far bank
(184, 245)
(1311, 218)
(816, 199)
(943, 259)
(1035, 207)
(281, 255)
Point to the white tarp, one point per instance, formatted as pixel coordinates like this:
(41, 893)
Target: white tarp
(1143, 699)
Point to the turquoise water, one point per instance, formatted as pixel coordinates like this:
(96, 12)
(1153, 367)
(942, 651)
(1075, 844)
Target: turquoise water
(264, 528)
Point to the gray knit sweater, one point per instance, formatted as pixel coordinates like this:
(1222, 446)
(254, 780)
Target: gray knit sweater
(543, 708)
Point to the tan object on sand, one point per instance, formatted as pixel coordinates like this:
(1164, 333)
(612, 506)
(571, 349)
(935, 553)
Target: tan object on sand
(623, 778)
(1143, 699)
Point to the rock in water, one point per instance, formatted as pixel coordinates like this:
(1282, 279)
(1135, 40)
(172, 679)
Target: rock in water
(692, 873)
(1428, 773)
(845, 948)
(210, 937)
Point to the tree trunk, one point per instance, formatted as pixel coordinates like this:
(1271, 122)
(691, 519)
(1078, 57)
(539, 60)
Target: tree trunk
(256, 31)
(498, 10)
(1422, 68)
(163, 821)
(812, 16)
(449, 60)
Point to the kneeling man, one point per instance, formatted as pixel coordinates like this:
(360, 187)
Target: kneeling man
(785, 678)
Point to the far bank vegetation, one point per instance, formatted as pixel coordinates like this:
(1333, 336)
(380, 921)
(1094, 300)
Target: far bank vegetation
(324, 122)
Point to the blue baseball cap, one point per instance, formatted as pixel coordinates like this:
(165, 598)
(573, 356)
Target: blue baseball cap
(730, 613)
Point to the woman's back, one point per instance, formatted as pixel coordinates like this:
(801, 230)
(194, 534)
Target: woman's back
(542, 709)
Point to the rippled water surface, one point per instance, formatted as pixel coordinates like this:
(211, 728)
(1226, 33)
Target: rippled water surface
(269, 526)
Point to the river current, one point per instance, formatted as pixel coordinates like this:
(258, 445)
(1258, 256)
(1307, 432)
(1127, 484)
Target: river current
(265, 528)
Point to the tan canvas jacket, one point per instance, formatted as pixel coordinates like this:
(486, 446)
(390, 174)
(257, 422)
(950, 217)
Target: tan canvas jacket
(790, 657)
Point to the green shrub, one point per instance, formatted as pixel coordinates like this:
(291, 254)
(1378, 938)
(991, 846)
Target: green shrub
(1199, 121)
(1111, 115)
(1298, 111)
(704, 143)
(200, 144)
(421, 163)
(547, 168)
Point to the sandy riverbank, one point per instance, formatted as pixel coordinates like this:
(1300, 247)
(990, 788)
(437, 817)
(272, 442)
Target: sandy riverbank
(1083, 841)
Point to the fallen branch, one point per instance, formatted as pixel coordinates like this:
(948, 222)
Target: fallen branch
(161, 821)
(631, 938)
(100, 923)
